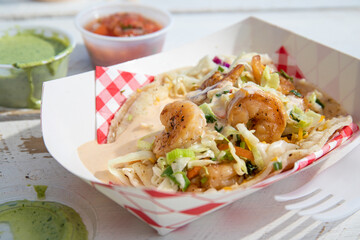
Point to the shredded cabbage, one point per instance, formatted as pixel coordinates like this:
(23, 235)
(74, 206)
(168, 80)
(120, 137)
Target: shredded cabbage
(204, 65)
(131, 157)
(252, 142)
(182, 180)
(179, 164)
(200, 163)
(269, 79)
(305, 120)
(240, 165)
(312, 97)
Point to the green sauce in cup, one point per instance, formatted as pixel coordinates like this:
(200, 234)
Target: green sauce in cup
(41, 220)
(27, 59)
(28, 47)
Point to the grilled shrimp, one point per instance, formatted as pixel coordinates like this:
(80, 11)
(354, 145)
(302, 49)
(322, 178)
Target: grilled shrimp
(212, 80)
(222, 175)
(215, 81)
(231, 76)
(257, 68)
(184, 124)
(258, 110)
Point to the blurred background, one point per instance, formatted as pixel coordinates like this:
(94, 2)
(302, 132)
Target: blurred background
(331, 22)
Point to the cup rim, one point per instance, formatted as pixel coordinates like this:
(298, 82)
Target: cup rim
(163, 30)
(35, 28)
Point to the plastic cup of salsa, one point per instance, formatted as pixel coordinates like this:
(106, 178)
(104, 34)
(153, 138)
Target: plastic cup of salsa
(106, 50)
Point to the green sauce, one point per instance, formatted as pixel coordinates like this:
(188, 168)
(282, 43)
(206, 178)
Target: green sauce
(27, 48)
(27, 51)
(41, 220)
(40, 191)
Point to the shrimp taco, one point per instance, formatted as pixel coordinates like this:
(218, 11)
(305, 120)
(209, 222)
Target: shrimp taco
(218, 125)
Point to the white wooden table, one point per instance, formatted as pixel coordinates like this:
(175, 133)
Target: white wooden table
(24, 159)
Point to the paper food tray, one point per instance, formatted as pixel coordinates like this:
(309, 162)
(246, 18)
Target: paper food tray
(68, 113)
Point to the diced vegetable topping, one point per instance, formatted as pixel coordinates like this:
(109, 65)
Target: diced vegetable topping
(209, 114)
(178, 178)
(277, 166)
(182, 180)
(269, 79)
(285, 75)
(251, 142)
(218, 61)
(296, 93)
(217, 128)
(304, 120)
(320, 103)
(251, 168)
(179, 153)
(219, 94)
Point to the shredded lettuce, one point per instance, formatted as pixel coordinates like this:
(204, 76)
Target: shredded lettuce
(269, 79)
(252, 142)
(180, 164)
(182, 180)
(131, 157)
(240, 165)
(209, 114)
(304, 120)
(229, 130)
(205, 63)
(313, 99)
(200, 163)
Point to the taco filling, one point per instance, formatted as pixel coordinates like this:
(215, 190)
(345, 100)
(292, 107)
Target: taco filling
(227, 122)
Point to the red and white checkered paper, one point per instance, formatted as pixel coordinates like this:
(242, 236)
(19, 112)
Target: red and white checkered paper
(164, 211)
(113, 87)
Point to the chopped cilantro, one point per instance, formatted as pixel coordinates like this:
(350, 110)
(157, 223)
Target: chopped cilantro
(294, 117)
(210, 118)
(285, 75)
(220, 69)
(251, 168)
(320, 103)
(296, 93)
(224, 92)
(217, 128)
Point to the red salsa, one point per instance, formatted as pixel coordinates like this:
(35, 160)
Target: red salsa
(123, 25)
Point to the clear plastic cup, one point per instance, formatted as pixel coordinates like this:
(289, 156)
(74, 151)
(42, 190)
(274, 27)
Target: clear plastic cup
(108, 50)
(21, 86)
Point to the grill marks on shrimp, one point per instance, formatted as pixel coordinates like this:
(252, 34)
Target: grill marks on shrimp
(258, 110)
(184, 124)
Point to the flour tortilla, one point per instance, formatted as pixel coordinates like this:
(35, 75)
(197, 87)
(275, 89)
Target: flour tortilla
(137, 103)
